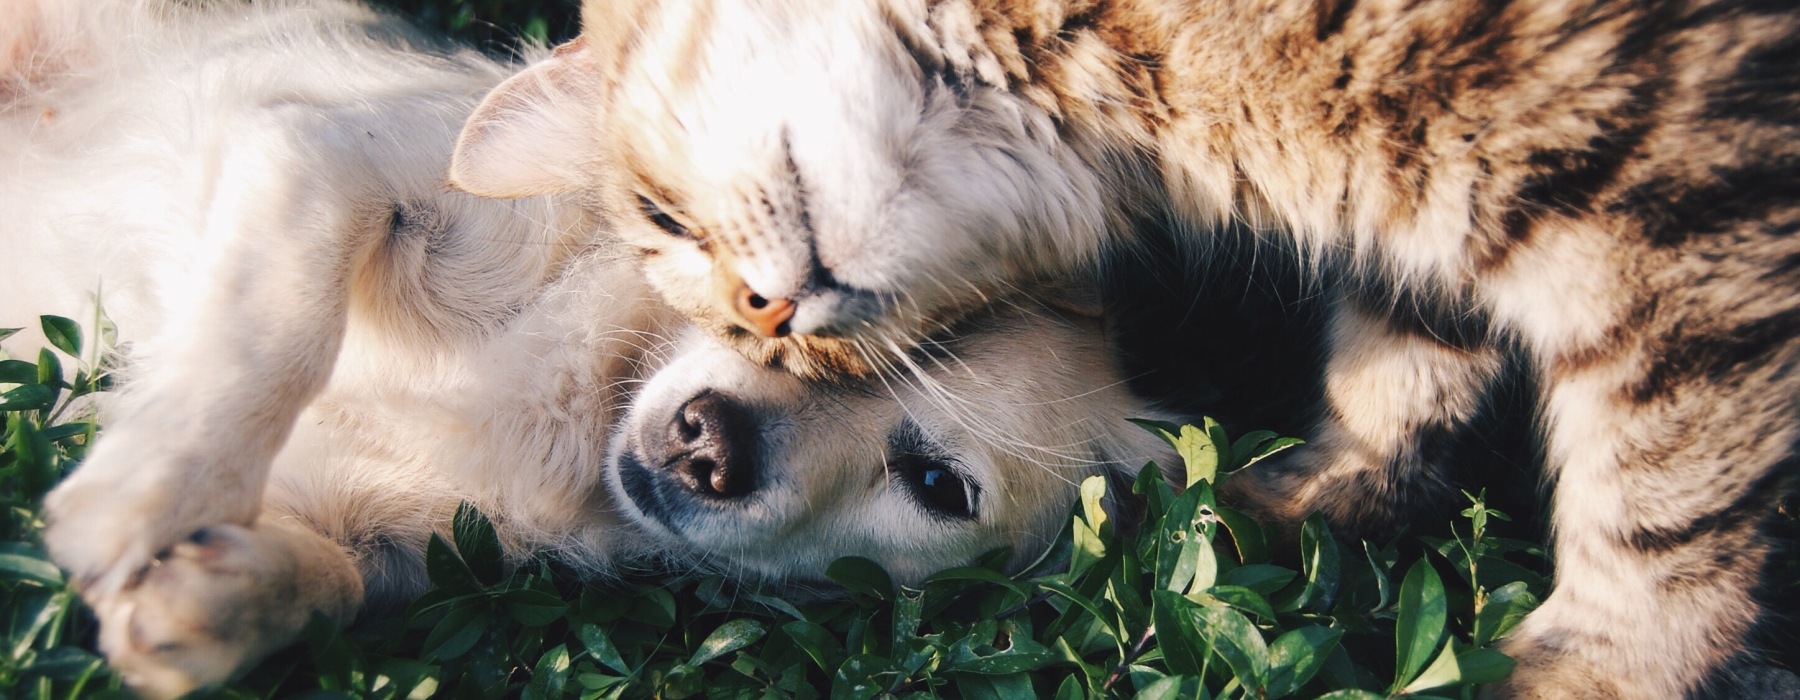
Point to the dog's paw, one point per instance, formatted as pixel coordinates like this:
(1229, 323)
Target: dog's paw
(127, 502)
(216, 603)
(101, 536)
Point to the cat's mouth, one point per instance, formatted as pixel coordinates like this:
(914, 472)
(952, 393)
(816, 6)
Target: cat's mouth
(891, 345)
(812, 357)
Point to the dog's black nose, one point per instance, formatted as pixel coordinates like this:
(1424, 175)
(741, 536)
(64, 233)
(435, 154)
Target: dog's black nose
(714, 447)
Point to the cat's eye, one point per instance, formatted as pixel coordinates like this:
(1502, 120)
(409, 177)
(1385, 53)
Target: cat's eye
(933, 481)
(662, 219)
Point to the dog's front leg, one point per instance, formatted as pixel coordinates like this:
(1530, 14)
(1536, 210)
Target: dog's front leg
(252, 337)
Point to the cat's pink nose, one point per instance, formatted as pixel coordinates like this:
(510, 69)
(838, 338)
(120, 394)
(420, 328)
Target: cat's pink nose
(766, 316)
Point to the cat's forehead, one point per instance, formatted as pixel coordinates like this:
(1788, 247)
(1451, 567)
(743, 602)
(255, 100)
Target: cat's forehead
(733, 85)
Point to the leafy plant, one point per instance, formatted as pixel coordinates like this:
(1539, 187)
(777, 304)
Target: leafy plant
(44, 630)
(1194, 601)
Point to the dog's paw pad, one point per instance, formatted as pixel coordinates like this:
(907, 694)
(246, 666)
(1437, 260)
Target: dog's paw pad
(197, 612)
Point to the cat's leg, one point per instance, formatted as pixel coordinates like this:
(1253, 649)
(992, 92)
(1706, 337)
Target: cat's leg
(210, 402)
(1399, 391)
(1671, 436)
(222, 600)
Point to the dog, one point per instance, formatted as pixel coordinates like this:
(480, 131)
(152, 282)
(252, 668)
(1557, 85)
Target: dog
(327, 350)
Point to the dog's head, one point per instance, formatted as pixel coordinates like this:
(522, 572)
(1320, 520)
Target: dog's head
(751, 471)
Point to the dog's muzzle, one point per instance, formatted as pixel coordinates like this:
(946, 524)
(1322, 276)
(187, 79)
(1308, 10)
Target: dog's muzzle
(704, 457)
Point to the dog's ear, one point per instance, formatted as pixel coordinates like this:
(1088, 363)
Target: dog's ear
(535, 133)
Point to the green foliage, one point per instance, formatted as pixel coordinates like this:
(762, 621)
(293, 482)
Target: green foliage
(45, 633)
(1192, 602)
(493, 25)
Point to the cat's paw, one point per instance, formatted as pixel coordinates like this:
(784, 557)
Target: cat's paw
(1540, 675)
(208, 607)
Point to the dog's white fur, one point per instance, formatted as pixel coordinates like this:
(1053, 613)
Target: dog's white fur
(329, 349)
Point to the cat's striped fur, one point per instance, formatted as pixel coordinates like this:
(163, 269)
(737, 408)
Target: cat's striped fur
(1612, 185)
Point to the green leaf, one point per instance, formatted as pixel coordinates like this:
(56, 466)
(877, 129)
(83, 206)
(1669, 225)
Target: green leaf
(653, 606)
(533, 607)
(861, 575)
(478, 544)
(21, 561)
(1241, 598)
(909, 608)
(64, 663)
(458, 632)
(1022, 655)
(727, 638)
(1506, 606)
(8, 332)
(50, 374)
(32, 610)
(1484, 665)
(1093, 495)
(1352, 694)
(1236, 641)
(1420, 627)
(600, 647)
(27, 397)
(336, 659)
(1265, 579)
(818, 643)
(1297, 655)
(1187, 529)
(1006, 687)
(1070, 689)
(1269, 449)
(446, 569)
(1178, 636)
(682, 681)
(860, 677)
(106, 330)
(550, 675)
(1088, 549)
(977, 573)
(1246, 535)
(1174, 688)
(1322, 566)
(1382, 569)
(410, 679)
(62, 333)
(17, 372)
(1442, 672)
(1195, 445)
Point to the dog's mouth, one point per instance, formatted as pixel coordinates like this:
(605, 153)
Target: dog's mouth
(639, 486)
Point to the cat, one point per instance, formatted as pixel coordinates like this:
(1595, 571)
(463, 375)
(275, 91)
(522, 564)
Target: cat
(1611, 186)
(328, 350)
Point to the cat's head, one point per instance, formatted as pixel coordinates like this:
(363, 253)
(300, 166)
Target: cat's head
(822, 185)
(757, 473)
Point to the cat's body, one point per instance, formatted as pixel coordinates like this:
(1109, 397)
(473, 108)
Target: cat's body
(1612, 186)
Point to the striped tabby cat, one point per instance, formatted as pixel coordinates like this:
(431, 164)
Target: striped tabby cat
(1612, 186)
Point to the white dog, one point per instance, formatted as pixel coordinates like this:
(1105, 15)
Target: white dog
(330, 349)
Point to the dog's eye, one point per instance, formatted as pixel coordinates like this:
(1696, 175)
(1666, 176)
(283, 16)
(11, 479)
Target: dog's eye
(936, 485)
(662, 219)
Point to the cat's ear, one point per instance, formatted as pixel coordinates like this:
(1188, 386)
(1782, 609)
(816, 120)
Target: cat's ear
(534, 134)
